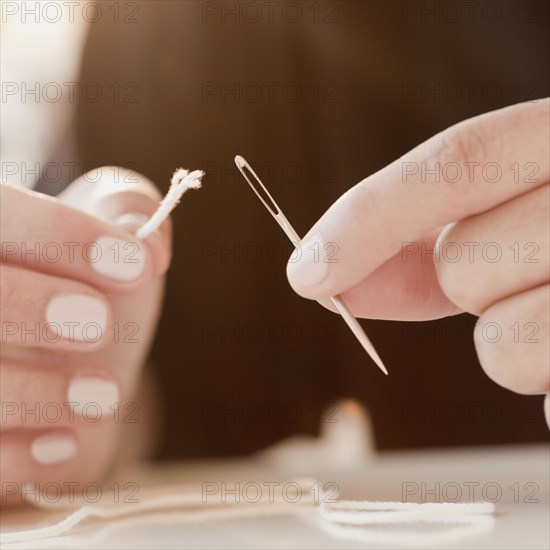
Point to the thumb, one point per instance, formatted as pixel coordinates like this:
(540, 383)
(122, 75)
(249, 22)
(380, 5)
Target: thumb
(123, 197)
(371, 222)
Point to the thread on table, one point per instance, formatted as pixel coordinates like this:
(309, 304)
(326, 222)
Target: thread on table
(363, 512)
(190, 499)
(181, 181)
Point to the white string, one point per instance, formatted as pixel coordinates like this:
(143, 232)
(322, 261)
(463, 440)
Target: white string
(362, 512)
(154, 500)
(415, 536)
(181, 181)
(339, 513)
(97, 533)
(159, 502)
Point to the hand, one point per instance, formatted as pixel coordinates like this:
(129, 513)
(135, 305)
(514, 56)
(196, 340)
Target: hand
(460, 223)
(80, 300)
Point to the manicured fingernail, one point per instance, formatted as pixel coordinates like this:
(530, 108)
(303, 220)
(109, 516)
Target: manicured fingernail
(53, 448)
(80, 317)
(132, 219)
(308, 264)
(91, 395)
(118, 259)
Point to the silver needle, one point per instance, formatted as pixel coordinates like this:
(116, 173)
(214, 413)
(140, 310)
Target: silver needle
(276, 212)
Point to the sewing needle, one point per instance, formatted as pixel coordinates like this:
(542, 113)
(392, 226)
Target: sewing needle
(281, 219)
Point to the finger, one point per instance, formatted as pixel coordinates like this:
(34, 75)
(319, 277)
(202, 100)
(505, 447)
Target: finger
(405, 288)
(33, 454)
(37, 396)
(511, 339)
(36, 463)
(46, 311)
(126, 198)
(485, 258)
(42, 234)
(370, 223)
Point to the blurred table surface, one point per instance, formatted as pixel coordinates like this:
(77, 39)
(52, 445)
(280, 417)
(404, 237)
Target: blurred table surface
(516, 478)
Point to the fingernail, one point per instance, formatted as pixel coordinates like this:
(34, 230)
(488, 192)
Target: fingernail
(77, 316)
(92, 395)
(308, 266)
(132, 219)
(118, 259)
(53, 448)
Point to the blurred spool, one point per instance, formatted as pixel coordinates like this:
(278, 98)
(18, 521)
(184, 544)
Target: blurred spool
(345, 441)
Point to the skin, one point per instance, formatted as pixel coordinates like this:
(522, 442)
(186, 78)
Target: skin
(41, 372)
(387, 215)
(384, 225)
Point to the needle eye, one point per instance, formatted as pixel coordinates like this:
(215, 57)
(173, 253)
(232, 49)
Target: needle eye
(258, 187)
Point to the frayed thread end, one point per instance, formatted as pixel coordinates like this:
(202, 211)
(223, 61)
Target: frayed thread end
(181, 181)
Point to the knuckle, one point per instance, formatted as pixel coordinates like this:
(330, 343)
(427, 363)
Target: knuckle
(364, 193)
(11, 303)
(12, 300)
(461, 142)
(462, 146)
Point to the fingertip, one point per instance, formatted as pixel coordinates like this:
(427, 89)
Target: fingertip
(161, 253)
(158, 244)
(308, 267)
(307, 292)
(126, 199)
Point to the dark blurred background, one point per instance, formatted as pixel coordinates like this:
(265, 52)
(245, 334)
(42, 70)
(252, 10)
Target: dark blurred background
(317, 95)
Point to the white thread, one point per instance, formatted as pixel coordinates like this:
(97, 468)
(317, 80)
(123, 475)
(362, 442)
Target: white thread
(338, 513)
(415, 536)
(157, 518)
(150, 501)
(362, 512)
(181, 181)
